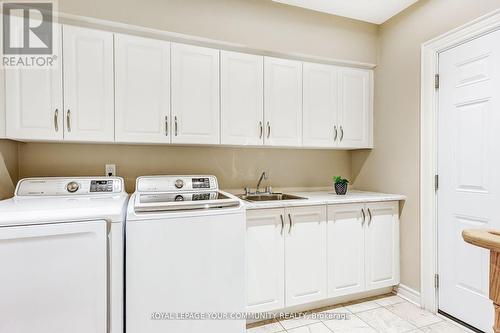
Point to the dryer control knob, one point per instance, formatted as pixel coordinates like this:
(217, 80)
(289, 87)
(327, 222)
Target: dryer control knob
(179, 183)
(72, 187)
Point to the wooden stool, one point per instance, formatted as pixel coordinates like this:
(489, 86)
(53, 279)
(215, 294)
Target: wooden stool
(490, 240)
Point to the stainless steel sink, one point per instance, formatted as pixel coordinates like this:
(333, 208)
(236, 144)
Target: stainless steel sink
(269, 197)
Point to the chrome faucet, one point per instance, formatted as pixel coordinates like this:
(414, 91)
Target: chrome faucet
(262, 176)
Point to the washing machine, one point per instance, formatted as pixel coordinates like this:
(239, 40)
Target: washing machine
(185, 257)
(61, 256)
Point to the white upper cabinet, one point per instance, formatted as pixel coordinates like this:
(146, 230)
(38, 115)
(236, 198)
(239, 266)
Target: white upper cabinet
(33, 99)
(305, 255)
(142, 90)
(282, 102)
(346, 249)
(242, 90)
(356, 109)
(195, 94)
(382, 245)
(265, 260)
(88, 84)
(321, 104)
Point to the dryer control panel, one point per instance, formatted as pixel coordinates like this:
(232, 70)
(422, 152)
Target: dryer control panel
(57, 186)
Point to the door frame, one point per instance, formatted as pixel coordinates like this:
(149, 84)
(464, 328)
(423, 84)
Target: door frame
(429, 98)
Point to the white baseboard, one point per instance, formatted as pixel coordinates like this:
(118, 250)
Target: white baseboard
(408, 294)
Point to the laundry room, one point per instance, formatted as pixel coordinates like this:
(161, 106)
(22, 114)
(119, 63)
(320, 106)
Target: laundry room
(231, 166)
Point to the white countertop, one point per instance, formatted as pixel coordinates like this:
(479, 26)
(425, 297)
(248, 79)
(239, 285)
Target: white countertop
(324, 198)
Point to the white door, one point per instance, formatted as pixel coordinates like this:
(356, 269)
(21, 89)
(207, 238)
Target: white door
(282, 102)
(346, 249)
(355, 130)
(195, 94)
(33, 99)
(305, 255)
(382, 244)
(88, 84)
(54, 278)
(242, 90)
(142, 90)
(321, 104)
(469, 181)
(265, 260)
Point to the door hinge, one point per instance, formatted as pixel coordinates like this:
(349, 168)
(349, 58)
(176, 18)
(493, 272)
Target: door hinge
(436, 81)
(436, 281)
(436, 182)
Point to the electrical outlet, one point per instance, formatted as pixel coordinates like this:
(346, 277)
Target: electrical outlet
(110, 170)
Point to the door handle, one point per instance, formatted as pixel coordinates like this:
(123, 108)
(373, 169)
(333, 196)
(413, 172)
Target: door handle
(166, 125)
(364, 216)
(56, 120)
(261, 130)
(175, 125)
(68, 120)
(291, 224)
(268, 130)
(282, 224)
(336, 132)
(341, 133)
(370, 214)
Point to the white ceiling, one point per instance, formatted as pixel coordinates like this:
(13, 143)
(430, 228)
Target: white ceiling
(373, 11)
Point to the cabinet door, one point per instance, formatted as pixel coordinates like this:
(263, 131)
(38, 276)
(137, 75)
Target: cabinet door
(356, 109)
(346, 249)
(305, 255)
(88, 84)
(33, 99)
(320, 128)
(282, 102)
(242, 90)
(382, 245)
(195, 94)
(142, 88)
(265, 260)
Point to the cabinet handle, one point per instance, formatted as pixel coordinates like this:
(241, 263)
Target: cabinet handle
(341, 133)
(364, 216)
(261, 129)
(282, 224)
(291, 224)
(56, 120)
(68, 120)
(336, 132)
(166, 125)
(370, 214)
(268, 130)
(175, 125)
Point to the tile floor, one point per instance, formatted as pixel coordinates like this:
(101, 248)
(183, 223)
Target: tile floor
(385, 314)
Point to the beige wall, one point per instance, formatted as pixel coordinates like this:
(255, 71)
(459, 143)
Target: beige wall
(393, 166)
(9, 167)
(259, 24)
(234, 167)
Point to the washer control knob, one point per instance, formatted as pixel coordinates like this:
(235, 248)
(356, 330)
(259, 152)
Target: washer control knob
(179, 183)
(72, 187)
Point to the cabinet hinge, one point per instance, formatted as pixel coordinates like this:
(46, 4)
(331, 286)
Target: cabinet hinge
(436, 182)
(436, 281)
(436, 81)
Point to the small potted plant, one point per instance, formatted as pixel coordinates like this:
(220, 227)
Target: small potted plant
(340, 185)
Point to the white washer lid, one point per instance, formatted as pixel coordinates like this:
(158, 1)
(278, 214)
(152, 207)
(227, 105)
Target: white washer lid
(43, 210)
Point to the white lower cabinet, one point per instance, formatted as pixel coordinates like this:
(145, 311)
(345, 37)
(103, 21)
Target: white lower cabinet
(305, 255)
(382, 244)
(346, 249)
(299, 255)
(265, 260)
